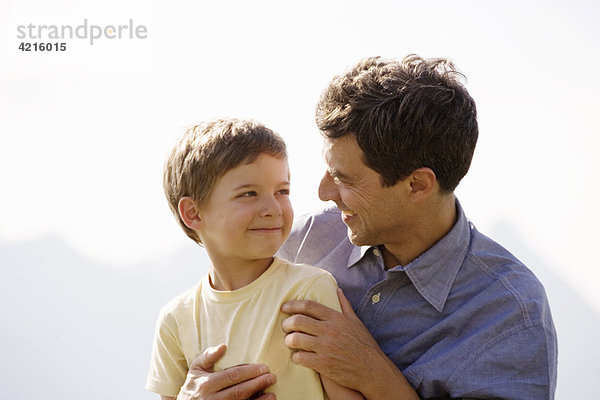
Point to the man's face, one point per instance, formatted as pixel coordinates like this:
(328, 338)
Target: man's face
(374, 214)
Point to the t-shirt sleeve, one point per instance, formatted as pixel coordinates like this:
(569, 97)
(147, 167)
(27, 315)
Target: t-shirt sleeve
(168, 366)
(324, 290)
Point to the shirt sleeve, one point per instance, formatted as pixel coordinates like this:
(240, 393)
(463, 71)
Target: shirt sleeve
(520, 364)
(168, 366)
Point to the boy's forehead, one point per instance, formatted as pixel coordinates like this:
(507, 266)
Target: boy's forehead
(263, 165)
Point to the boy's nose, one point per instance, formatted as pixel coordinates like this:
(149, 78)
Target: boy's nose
(271, 207)
(328, 190)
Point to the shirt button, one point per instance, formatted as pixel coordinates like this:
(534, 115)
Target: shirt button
(376, 252)
(375, 298)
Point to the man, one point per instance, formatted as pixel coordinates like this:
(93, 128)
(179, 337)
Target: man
(436, 309)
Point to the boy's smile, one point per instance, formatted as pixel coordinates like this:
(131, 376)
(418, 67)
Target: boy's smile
(248, 215)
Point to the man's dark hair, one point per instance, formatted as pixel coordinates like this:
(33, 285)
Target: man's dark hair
(404, 115)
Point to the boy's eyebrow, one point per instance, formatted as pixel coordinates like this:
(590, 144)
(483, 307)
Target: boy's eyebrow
(251, 185)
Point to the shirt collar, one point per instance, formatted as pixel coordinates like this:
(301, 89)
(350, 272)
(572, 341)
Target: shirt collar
(358, 252)
(433, 272)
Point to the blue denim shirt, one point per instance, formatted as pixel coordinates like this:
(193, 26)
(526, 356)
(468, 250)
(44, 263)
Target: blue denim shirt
(466, 319)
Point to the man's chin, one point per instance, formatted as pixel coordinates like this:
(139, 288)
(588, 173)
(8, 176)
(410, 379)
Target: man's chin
(354, 238)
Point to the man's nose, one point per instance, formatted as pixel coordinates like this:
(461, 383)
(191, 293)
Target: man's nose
(328, 190)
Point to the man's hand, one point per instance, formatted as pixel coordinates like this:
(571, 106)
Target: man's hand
(339, 347)
(235, 383)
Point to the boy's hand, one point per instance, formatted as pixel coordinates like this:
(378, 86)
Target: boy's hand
(235, 383)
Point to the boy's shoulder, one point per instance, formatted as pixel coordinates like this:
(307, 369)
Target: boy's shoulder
(305, 281)
(299, 270)
(180, 304)
(302, 277)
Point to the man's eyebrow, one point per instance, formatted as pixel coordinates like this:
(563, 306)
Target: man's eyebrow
(334, 173)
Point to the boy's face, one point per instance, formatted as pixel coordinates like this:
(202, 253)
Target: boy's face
(248, 216)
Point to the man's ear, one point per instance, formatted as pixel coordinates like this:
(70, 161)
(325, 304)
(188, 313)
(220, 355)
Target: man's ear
(190, 213)
(422, 184)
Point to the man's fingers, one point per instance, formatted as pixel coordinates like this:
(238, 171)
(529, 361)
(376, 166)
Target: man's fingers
(267, 396)
(345, 304)
(242, 374)
(309, 308)
(301, 341)
(214, 354)
(207, 359)
(300, 323)
(243, 389)
(305, 358)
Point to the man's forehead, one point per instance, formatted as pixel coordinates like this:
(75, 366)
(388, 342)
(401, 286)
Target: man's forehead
(344, 147)
(328, 151)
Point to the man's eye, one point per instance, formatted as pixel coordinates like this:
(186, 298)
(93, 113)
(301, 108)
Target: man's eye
(284, 192)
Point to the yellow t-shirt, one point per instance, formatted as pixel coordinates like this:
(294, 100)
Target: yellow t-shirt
(248, 320)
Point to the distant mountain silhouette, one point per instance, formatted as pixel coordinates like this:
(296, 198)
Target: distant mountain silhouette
(76, 329)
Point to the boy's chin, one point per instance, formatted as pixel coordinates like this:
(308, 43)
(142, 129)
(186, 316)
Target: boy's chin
(264, 254)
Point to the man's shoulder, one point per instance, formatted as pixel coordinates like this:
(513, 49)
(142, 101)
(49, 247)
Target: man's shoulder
(495, 260)
(326, 219)
(315, 232)
(511, 276)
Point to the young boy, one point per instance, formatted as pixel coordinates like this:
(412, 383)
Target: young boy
(227, 183)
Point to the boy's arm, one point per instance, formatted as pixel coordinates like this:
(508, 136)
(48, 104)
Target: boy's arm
(338, 392)
(166, 397)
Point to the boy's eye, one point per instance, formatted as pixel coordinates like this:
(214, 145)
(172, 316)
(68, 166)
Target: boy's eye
(249, 194)
(284, 192)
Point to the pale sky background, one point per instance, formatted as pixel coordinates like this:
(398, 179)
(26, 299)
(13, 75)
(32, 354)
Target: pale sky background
(84, 133)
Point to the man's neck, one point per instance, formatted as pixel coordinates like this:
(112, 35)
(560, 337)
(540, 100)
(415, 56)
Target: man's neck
(434, 223)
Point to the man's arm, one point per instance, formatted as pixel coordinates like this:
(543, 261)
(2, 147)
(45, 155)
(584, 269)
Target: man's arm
(339, 392)
(339, 347)
(236, 383)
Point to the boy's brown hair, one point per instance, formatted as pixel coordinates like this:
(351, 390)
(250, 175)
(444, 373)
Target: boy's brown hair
(205, 152)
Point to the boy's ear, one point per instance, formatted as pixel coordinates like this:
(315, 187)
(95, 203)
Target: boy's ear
(190, 213)
(422, 184)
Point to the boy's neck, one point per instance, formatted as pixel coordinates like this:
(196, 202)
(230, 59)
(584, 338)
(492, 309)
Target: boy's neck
(227, 275)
